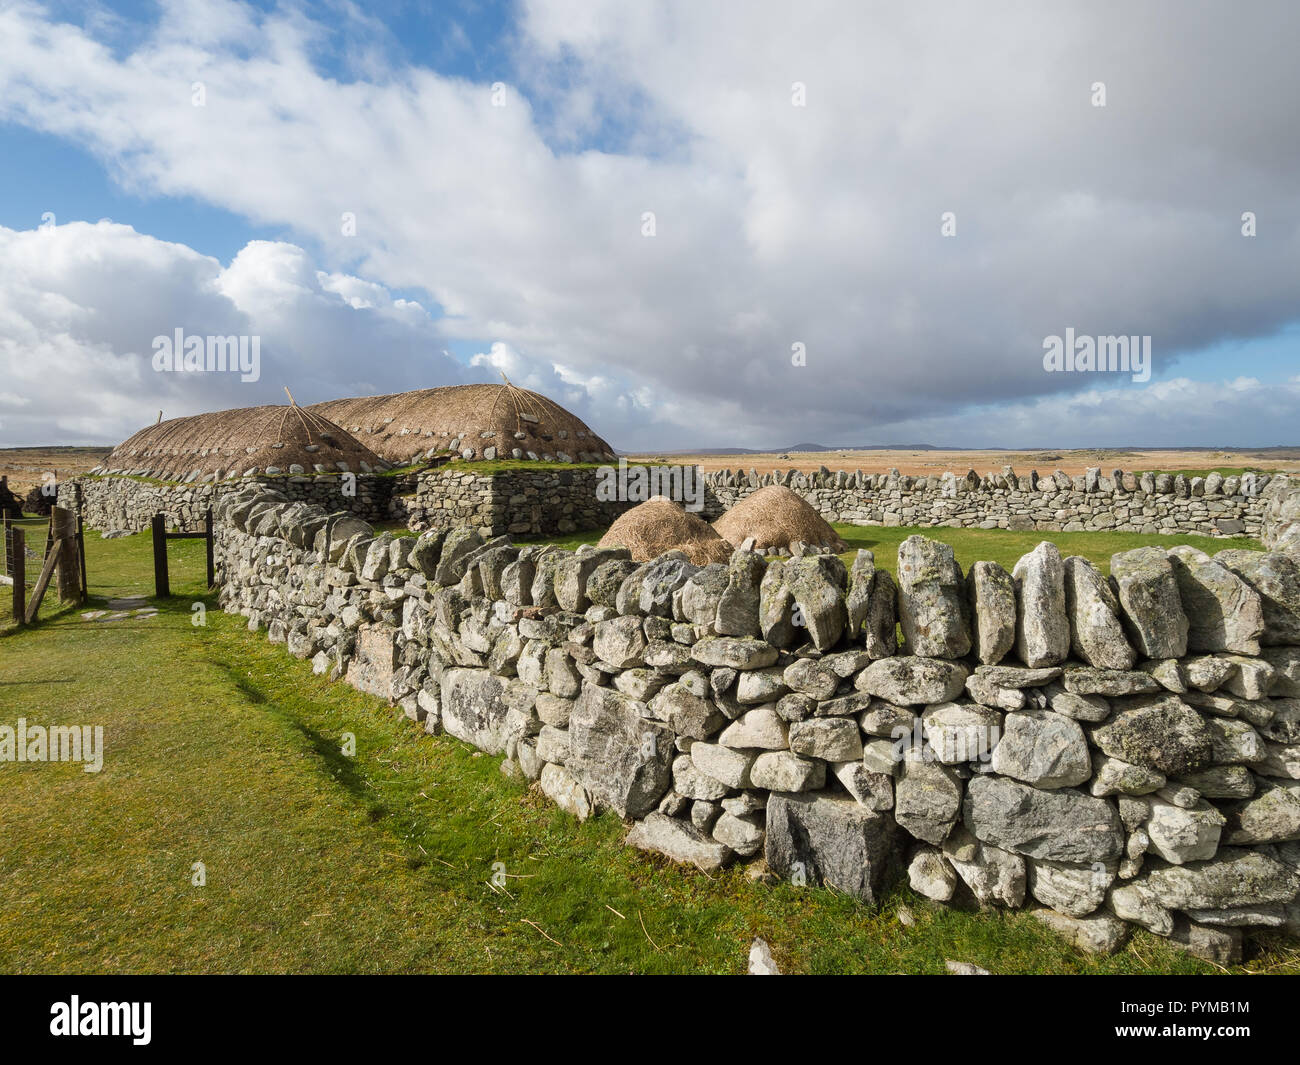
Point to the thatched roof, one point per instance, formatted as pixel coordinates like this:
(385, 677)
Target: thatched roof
(475, 421)
(234, 443)
(660, 525)
(776, 517)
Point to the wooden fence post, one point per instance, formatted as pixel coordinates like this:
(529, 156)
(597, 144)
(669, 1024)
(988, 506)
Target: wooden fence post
(207, 529)
(160, 583)
(18, 571)
(63, 524)
(81, 555)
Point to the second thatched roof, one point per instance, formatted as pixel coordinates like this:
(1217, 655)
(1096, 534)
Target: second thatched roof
(660, 525)
(484, 421)
(239, 443)
(776, 518)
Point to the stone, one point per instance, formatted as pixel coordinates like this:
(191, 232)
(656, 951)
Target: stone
(1271, 816)
(620, 642)
(1181, 835)
(728, 766)
(744, 835)
(737, 610)
(761, 728)
(1100, 933)
(687, 714)
(1111, 776)
(832, 739)
(623, 758)
(1043, 748)
(957, 732)
(1091, 708)
(1133, 902)
(760, 959)
(1042, 626)
(688, 780)
(1072, 889)
(662, 577)
(929, 874)
(1233, 877)
(1160, 732)
(1272, 915)
(1275, 576)
(702, 593)
(834, 842)
(1085, 680)
(1153, 610)
(868, 786)
(811, 676)
(927, 797)
(784, 771)
(817, 583)
(679, 841)
(776, 607)
(1063, 825)
(456, 546)
(761, 685)
(912, 681)
(733, 652)
(992, 595)
(563, 789)
(474, 706)
(1221, 782)
(1096, 631)
(931, 598)
(994, 876)
(1224, 613)
(1222, 946)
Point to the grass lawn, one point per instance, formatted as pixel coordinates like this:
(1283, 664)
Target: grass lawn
(222, 749)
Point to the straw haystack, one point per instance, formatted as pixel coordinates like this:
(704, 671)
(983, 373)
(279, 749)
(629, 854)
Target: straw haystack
(660, 525)
(234, 443)
(471, 421)
(776, 518)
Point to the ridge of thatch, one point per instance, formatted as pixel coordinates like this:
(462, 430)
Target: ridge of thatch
(479, 421)
(240, 443)
(776, 518)
(659, 525)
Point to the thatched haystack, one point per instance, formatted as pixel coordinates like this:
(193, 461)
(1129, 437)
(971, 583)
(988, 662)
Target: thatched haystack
(660, 525)
(239, 443)
(472, 421)
(776, 518)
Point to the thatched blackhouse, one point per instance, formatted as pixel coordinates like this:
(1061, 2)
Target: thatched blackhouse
(239, 443)
(468, 421)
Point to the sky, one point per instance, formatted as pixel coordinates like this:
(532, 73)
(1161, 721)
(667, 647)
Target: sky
(704, 223)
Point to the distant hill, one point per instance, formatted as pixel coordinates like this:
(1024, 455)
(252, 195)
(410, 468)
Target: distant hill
(796, 448)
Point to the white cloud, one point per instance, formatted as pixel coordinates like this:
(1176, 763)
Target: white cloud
(775, 224)
(80, 305)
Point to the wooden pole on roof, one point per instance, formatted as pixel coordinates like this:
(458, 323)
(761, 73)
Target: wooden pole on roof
(292, 401)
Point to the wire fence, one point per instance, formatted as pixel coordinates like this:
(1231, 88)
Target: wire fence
(35, 536)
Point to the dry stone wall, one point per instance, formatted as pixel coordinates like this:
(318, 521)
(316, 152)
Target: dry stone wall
(1110, 752)
(126, 504)
(1146, 503)
(521, 502)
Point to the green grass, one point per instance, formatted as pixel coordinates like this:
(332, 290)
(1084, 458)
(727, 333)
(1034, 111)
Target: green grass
(220, 748)
(975, 545)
